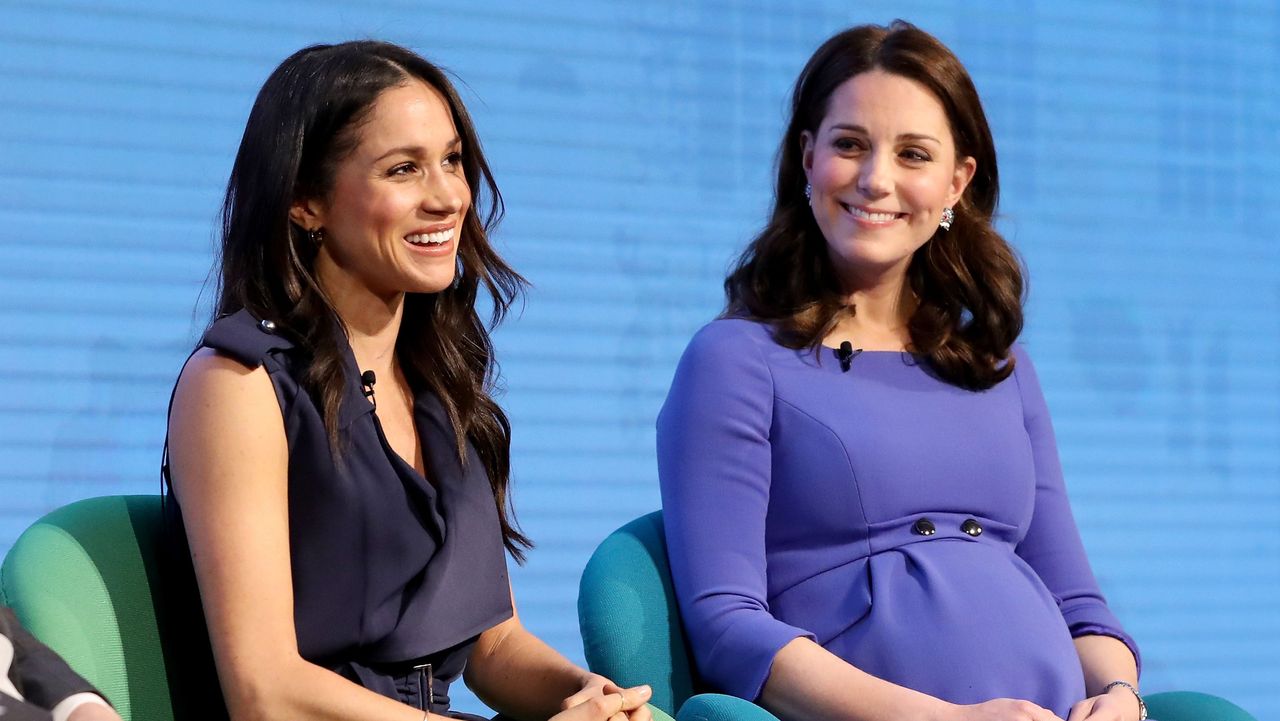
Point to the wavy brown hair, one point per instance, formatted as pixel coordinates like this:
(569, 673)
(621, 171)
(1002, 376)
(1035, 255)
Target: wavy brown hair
(967, 281)
(305, 121)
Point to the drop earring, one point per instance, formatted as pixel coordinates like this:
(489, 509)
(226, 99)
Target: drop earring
(808, 193)
(948, 215)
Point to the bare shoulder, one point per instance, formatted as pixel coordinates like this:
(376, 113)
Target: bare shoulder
(225, 419)
(217, 383)
(211, 371)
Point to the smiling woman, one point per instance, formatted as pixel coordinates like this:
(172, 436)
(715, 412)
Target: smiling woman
(886, 189)
(390, 222)
(882, 170)
(347, 554)
(886, 537)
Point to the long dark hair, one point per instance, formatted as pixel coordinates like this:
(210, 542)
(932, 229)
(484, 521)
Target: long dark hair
(967, 281)
(304, 122)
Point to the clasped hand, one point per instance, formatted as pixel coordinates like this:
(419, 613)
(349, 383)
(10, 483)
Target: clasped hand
(1110, 706)
(602, 700)
(1119, 704)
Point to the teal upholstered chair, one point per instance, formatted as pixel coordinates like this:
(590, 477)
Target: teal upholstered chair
(631, 629)
(631, 632)
(84, 580)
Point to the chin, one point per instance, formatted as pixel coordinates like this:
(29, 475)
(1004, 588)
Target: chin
(428, 283)
(874, 264)
(431, 288)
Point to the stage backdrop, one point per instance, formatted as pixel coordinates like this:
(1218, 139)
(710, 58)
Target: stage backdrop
(633, 143)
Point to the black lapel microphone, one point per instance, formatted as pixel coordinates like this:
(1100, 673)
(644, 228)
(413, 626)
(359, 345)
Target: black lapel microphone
(367, 379)
(845, 354)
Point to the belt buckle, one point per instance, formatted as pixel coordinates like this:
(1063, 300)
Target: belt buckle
(426, 695)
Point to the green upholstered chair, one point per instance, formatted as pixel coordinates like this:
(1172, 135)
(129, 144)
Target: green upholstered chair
(84, 579)
(631, 632)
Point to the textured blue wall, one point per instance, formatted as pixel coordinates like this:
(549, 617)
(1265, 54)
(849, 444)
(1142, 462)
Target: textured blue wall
(633, 142)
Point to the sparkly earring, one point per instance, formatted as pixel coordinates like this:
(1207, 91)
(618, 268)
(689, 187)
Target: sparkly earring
(948, 215)
(808, 192)
(316, 236)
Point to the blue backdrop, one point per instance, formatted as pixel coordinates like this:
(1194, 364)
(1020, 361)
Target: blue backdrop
(633, 143)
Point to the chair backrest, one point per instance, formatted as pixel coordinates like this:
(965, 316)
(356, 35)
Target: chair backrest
(627, 613)
(85, 580)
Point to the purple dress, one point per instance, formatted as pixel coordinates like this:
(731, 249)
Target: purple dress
(917, 530)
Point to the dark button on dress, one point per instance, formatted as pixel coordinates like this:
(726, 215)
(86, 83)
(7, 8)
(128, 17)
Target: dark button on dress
(924, 527)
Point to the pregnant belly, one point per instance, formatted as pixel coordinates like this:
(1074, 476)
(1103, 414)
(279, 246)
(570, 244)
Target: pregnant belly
(966, 622)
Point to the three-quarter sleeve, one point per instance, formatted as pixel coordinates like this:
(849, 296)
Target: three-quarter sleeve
(714, 466)
(1052, 546)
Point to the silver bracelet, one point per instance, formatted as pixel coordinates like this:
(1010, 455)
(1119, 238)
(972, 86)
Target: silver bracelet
(1142, 705)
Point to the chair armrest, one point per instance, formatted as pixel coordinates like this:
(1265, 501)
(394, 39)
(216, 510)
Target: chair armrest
(1193, 706)
(721, 707)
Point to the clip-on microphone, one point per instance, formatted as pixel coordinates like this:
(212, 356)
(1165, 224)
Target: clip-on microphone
(846, 354)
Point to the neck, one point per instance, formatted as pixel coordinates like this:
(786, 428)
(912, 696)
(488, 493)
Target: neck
(372, 320)
(372, 332)
(883, 305)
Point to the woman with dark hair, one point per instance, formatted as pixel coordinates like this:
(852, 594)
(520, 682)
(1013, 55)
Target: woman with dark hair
(348, 538)
(865, 512)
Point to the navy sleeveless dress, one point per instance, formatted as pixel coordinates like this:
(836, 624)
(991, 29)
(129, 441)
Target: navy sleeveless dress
(394, 575)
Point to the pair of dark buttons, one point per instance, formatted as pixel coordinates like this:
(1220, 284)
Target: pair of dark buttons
(925, 527)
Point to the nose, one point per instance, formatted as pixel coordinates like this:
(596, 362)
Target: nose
(445, 194)
(874, 179)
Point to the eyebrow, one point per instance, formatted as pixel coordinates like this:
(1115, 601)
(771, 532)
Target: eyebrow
(415, 150)
(902, 136)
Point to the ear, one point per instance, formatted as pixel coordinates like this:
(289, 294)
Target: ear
(965, 168)
(806, 151)
(307, 214)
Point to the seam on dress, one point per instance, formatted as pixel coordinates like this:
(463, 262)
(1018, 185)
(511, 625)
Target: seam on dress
(1022, 397)
(857, 487)
(773, 387)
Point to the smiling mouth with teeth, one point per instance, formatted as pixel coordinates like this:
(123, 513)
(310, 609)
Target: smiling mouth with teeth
(872, 217)
(439, 237)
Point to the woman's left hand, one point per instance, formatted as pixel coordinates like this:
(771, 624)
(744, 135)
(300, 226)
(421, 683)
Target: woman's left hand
(1119, 704)
(594, 685)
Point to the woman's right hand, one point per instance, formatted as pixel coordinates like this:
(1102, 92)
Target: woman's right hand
(626, 705)
(1001, 709)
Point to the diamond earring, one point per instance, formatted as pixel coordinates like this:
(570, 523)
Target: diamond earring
(948, 215)
(808, 192)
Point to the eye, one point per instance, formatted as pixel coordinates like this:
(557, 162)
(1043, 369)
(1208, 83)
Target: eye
(847, 144)
(915, 155)
(402, 169)
(453, 160)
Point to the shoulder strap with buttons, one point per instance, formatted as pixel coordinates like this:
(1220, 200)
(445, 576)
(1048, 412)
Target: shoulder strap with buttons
(245, 338)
